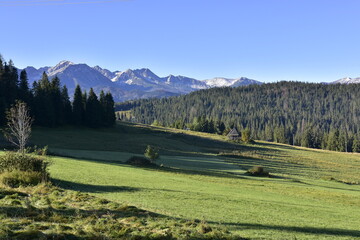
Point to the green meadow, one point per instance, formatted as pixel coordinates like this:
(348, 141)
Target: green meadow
(311, 194)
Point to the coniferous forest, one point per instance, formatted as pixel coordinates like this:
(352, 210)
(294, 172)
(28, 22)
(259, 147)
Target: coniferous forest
(49, 102)
(325, 116)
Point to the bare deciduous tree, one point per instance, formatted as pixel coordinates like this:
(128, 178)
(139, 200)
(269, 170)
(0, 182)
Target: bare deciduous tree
(19, 125)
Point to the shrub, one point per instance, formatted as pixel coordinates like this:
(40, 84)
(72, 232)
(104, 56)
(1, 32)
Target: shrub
(151, 153)
(23, 162)
(139, 161)
(39, 151)
(14, 161)
(245, 135)
(258, 171)
(18, 178)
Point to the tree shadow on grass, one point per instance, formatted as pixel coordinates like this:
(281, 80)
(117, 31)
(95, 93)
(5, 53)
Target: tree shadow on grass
(309, 230)
(92, 188)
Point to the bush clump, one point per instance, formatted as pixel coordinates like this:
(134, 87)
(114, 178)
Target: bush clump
(139, 161)
(18, 169)
(151, 153)
(258, 171)
(16, 178)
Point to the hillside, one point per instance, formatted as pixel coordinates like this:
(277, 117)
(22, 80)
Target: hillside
(314, 194)
(304, 114)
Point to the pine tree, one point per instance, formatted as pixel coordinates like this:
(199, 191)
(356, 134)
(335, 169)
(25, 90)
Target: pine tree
(78, 107)
(307, 138)
(356, 143)
(220, 127)
(333, 140)
(93, 108)
(102, 113)
(43, 103)
(66, 105)
(57, 101)
(84, 100)
(2, 94)
(109, 110)
(24, 90)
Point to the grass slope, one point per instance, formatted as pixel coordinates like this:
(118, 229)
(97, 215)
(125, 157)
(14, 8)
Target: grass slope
(297, 204)
(194, 150)
(46, 212)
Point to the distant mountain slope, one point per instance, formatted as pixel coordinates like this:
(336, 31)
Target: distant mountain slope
(227, 82)
(307, 114)
(129, 84)
(347, 80)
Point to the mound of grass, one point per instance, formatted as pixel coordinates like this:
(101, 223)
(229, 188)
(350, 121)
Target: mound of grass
(140, 161)
(47, 212)
(342, 181)
(258, 171)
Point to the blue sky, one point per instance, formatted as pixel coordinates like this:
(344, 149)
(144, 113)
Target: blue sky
(267, 40)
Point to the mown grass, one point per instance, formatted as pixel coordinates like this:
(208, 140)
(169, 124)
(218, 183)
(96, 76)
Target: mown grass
(194, 150)
(47, 212)
(253, 207)
(204, 178)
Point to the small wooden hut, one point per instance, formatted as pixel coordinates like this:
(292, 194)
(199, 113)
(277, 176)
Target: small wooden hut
(233, 134)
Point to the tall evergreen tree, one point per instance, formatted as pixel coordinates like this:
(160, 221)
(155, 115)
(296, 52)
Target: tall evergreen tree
(43, 103)
(78, 107)
(2, 94)
(57, 101)
(333, 140)
(102, 101)
(24, 89)
(66, 105)
(356, 143)
(109, 110)
(93, 118)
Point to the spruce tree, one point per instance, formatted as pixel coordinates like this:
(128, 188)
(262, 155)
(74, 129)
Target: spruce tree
(43, 103)
(93, 108)
(57, 101)
(24, 90)
(66, 105)
(102, 101)
(109, 110)
(2, 94)
(78, 107)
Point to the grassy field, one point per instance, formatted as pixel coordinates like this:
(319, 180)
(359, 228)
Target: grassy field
(194, 150)
(203, 178)
(48, 212)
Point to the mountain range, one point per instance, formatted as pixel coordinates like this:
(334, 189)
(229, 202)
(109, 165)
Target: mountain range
(129, 84)
(137, 83)
(347, 80)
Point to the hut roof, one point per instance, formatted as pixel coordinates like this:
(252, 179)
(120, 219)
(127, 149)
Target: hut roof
(233, 132)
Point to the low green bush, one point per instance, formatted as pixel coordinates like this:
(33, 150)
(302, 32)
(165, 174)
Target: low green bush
(38, 150)
(258, 171)
(18, 178)
(17, 169)
(151, 153)
(24, 162)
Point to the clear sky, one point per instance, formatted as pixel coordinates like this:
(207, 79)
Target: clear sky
(267, 40)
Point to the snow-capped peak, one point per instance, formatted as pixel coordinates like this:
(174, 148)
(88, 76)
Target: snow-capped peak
(347, 80)
(61, 66)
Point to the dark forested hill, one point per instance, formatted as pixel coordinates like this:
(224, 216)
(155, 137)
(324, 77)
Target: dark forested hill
(307, 114)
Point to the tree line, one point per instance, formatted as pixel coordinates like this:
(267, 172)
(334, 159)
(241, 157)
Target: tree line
(325, 116)
(49, 102)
